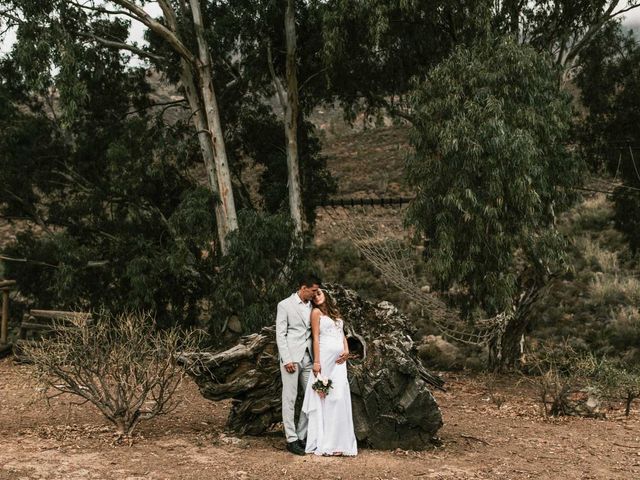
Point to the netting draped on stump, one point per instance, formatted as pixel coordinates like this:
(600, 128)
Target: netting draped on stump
(393, 406)
(381, 238)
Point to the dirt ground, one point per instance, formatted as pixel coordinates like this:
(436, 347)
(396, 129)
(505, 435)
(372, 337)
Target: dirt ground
(491, 431)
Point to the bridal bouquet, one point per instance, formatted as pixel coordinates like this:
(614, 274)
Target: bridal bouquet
(322, 385)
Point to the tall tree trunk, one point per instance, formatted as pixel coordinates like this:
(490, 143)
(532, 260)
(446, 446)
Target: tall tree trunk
(506, 347)
(206, 147)
(291, 122)
(214, 127)
(200, 122)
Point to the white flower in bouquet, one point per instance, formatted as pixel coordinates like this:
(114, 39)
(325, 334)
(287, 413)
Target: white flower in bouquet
(322, 384)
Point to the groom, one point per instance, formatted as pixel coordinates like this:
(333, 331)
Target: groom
(293, 336)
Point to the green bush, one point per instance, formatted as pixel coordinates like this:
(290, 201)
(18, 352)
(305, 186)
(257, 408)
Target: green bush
(259, 270)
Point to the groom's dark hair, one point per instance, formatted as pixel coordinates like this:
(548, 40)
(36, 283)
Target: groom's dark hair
(309, 279)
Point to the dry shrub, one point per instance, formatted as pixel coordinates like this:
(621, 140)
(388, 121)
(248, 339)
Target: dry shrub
(571, 383)
(560, 381)
(599, 258)
(611, 289)
(595, 212)
(624, 327)
(614, 379)
(121, 364)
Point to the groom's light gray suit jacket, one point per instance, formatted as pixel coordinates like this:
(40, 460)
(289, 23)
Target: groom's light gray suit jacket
(293, 329)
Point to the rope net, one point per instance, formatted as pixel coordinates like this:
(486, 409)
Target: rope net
(380, 237)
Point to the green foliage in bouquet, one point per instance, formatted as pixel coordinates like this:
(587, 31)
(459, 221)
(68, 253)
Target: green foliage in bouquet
(322, 385)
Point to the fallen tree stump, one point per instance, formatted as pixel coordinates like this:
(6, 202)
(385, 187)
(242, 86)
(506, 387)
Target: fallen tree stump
(390, 389)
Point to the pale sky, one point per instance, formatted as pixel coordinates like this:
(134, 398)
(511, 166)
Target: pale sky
(632, 18)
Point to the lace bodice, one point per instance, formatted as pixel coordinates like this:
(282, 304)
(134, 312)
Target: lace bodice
(331, 328)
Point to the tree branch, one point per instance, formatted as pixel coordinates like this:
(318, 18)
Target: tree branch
(32, 210)
(122, 46)
(594, 29)
(26, 260)
(158, 104)
(310, 77)
(102, 10)
(11, 17)
(169, 36)
(625, 10)
(397, 112)
(276, 81)
(169, 14)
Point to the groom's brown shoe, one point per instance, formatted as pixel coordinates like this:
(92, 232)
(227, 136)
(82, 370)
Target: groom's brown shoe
(295, 448)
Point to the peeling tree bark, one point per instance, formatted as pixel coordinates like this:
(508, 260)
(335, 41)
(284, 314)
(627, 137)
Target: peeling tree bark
(505, 351)
(212, 116)
(197, 79)
(204, 137)
(206, 148)
(289, 101)
(291, 121)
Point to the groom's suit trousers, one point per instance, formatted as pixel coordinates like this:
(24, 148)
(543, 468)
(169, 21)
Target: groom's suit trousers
(290, 382)
(293, 336)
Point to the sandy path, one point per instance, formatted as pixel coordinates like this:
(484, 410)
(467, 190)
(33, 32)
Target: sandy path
(480, 441)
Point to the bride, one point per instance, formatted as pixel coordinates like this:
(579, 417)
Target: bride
(330, 427)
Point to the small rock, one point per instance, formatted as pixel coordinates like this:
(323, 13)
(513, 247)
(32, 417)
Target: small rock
(230, 440)
(234, 324)
(436, 351)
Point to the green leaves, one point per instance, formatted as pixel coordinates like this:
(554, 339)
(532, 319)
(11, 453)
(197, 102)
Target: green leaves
(490, 167)
(253, 276)
(610, 82)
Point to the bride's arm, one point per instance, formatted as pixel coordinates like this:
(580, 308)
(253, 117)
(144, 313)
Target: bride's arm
(315, 335)
(345, 350)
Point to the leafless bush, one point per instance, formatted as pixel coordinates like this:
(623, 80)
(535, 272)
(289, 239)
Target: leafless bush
(557, 378)
(121, 364)
(571, 383)
(493, 391)
(614, 379)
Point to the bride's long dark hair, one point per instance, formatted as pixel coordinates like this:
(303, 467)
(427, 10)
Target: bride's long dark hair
(329, 307)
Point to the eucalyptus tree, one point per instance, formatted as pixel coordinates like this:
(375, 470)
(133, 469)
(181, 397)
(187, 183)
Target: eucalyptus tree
(289, 102)
(563, 28)
(109, 213)
(373, 48)
(491, 170)
(125, 213)
(272, 51)
(609, 83)
(48, 33)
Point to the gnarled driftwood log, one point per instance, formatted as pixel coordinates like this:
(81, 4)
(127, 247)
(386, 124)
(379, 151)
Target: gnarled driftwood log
(390, 389)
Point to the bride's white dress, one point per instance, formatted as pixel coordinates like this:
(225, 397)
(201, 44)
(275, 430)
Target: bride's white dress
(330, 427)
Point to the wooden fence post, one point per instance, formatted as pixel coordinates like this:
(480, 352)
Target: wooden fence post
(5, 286)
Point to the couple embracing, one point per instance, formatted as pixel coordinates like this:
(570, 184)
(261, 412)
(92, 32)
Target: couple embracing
(313, 351)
